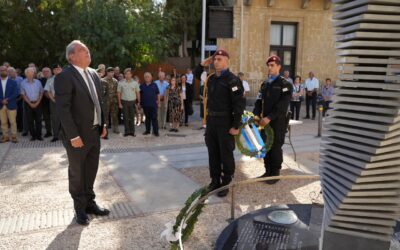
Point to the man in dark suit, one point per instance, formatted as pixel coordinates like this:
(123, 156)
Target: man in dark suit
(8, 106)
(78, 93)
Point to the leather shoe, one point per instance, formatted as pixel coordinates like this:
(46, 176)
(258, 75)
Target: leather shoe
(96, 210)
(275, 172)
(215, 184)
(81, 218)
(146, 133)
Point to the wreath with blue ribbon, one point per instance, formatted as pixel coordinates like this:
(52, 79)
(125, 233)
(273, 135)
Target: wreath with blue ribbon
(254, 146)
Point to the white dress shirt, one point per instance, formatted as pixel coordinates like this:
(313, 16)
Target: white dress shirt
(246, 86)
(311, 84)
(81, 71)
(189, 78)
(4, 84)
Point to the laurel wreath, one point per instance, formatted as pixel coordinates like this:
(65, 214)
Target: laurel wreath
(248, 118)
(190, 218)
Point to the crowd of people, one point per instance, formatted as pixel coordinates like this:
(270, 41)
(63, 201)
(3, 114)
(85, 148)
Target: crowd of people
(28, 100)
(310, 92)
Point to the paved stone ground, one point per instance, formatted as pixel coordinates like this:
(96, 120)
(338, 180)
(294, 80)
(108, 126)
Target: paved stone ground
(144, 182)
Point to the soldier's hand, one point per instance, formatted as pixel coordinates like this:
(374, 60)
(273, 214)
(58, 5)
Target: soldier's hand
(207, 61)
(120, 105)
(264, 121)
(234, 131)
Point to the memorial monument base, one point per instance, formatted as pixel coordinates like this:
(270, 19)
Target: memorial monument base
(334, 241)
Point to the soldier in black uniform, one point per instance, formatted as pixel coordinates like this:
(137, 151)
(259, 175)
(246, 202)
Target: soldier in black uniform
(272, 106)
(225, 106)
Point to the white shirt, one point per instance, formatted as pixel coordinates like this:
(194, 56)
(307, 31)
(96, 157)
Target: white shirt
(311, 84)
(49, 87)
(246, 86)
(189, 78)
(4, 84)
(81, 71)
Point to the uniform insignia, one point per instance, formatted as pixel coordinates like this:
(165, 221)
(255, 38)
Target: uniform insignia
(234, 89)
(285, 89)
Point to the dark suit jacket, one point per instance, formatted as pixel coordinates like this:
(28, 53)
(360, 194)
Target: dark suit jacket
(74, 104)
(12, 92)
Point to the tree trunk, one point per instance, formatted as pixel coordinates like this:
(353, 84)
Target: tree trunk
(184, 44)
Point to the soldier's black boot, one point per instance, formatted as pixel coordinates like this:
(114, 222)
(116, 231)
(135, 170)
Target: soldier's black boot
(225, 181)
(274, 172)
(266, 174)
(215, 184)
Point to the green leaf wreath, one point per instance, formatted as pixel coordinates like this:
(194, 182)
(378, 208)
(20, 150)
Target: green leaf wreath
(191, 217)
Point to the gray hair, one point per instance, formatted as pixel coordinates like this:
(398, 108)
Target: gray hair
(11, 69)
(30, 68)
(71, 48)
(147, 74)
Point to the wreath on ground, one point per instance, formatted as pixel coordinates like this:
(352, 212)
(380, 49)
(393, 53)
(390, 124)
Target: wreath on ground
(189, 214)
(248, 119)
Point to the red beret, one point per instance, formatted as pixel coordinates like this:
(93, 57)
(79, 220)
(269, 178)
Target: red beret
(221, 52)
(273, 59)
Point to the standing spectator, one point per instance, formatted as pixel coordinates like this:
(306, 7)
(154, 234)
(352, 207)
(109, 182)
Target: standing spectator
(327, 94)
(189, 92)
(128, 94)
(311, 86)
(50, 92)
(117, 73)
(173, 96)
(6, 64)
(150, 100)
(46, 103)
(139, 111)
(186, 99)
(110, 99)
(162, 85)
(286, 75)
(101, 72)
(8, 106)
(174, 73)
(13, 75)
(246, 86)
(32, 92)
(297, 98)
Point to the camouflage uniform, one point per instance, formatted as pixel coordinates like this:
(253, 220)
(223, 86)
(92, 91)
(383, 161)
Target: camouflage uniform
(110, 98)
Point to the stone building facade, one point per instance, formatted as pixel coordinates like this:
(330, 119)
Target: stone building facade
(300, 31)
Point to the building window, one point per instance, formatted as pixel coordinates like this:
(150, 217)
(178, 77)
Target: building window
(283, 44)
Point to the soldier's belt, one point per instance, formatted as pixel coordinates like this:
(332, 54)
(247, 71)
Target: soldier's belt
(217, 114)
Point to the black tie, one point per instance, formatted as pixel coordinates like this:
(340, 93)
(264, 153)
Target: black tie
(94, 96)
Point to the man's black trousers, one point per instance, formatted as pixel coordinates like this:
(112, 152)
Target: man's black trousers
(220, 145)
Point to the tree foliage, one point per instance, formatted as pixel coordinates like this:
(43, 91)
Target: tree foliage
(118, 32)
(186, 14)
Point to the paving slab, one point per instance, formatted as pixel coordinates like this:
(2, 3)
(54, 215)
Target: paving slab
(151, 184)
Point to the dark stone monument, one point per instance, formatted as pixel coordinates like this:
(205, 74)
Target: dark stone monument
(291, 227)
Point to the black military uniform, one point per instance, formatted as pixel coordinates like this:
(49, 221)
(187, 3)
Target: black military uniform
(225, 106)
(272, 102)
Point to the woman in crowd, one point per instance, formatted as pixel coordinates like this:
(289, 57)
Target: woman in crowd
(297, 98)
(174, 100)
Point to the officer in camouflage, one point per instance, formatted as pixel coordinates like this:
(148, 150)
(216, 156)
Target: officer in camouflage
(271, 108)
(110, 97)
(225, 106)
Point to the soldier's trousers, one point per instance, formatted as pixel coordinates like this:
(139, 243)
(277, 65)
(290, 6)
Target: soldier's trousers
(274, 158)
(220, 146)
(111, 108)
(128, 110)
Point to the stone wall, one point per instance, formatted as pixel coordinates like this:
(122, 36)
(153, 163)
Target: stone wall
(315, 44)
